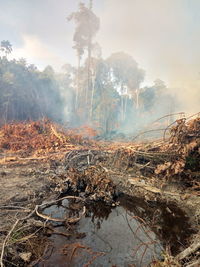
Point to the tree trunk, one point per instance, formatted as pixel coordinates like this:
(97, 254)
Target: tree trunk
(77, 82)
(92, 95)
(137, 98)
(88, 73)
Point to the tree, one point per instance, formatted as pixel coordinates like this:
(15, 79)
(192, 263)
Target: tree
(48, 72)
(127, 77)
(105, 105)
(87, 25)
(6, 47)
(156, 99)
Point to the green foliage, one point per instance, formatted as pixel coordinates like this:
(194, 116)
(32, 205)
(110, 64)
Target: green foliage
(26, 93)
(6, 47)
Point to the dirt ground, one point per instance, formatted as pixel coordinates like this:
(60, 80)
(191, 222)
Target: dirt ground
(39, 163)
(26, 182)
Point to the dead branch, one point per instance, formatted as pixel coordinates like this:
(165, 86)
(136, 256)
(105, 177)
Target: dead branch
(196, 114)
(5, 242)
(172, 114)
(151, 189)
(70, 220)
(59, 136)
(153, 130)
(60, 199)
(14, 208)
(188, 251)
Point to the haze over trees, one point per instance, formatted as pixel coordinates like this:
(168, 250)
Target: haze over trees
(6, 47)
(106, 94)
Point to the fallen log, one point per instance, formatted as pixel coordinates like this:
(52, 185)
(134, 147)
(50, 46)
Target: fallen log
(151, 189)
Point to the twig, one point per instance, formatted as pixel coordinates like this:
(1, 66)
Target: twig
(60, 199)
(168, 127)
(196, 114)
(14, 208)
(5, 241)
(172, 114)
(154, 130)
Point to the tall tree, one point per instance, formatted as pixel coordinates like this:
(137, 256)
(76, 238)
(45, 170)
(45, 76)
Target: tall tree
(87, 25)
(6, 47)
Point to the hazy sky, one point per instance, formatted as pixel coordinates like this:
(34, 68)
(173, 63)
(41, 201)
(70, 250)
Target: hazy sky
(163, 36)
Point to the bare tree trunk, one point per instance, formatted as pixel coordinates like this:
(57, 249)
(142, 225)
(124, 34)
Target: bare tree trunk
(137, 98)
(89, 68)
(77, 83)
(125, 108)
(92, 95)
(88, 73)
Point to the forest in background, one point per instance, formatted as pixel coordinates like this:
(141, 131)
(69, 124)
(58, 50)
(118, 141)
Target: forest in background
(105, 94)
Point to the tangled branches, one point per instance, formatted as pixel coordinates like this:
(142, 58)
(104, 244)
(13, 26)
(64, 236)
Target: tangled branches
(44, 136)
(185, 142)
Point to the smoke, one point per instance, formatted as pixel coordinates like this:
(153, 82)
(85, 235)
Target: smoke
(163, 37)
(34, 49)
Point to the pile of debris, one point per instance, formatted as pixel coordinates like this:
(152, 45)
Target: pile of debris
(82, 173)
(177, 157)
(185, 142)
(93, 182)
(39, 136)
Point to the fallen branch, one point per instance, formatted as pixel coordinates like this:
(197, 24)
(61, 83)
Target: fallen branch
(149, 131)
(70, 220)
(62, 138)
(188, 251)
(151, 189)
(14, 208)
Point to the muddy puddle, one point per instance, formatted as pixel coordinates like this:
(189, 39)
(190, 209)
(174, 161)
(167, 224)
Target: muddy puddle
(132, 234)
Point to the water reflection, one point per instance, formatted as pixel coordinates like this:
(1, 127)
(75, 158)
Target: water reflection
(120, 236)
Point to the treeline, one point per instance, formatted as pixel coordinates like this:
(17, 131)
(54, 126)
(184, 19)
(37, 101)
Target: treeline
(106, 94)
(114, 101)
